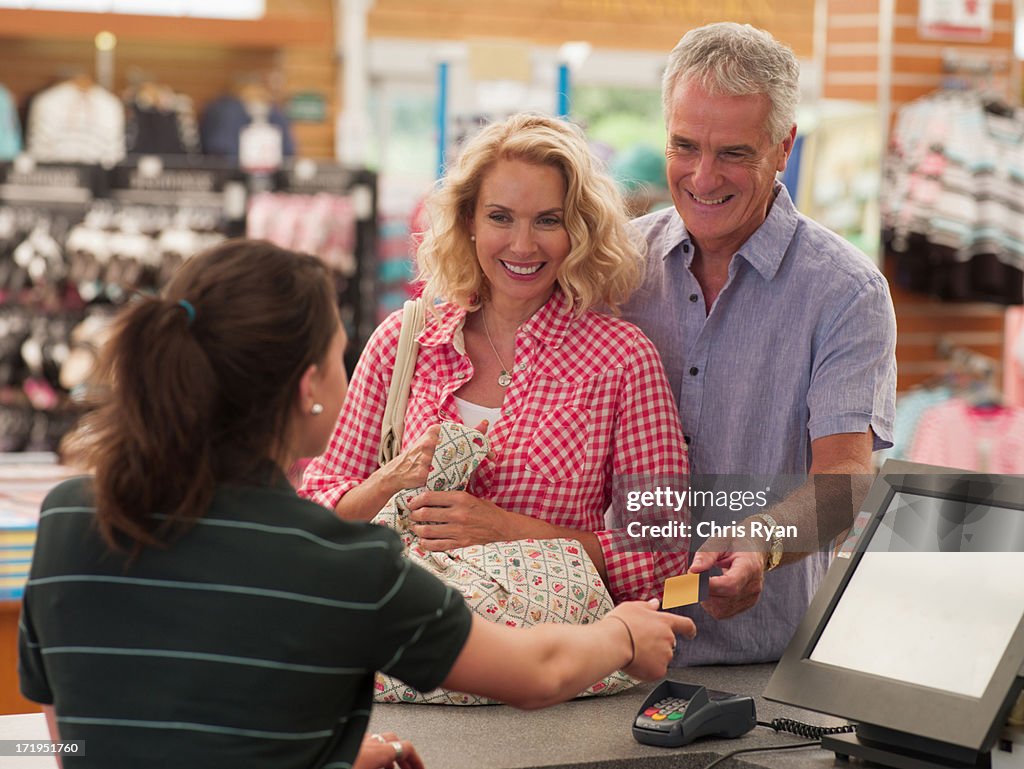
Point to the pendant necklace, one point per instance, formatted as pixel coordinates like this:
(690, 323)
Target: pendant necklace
(504, 378)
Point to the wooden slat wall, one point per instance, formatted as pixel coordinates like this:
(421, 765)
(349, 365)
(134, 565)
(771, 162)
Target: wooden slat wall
(633, 24)
(922, 322)
(205, 73)
(853, 47)
(852, 66)
(852, 50)
(295, 40)
(309, 65)
(917, 62)
(293, 46)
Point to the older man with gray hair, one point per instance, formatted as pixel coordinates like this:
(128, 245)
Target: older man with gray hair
(778, 337)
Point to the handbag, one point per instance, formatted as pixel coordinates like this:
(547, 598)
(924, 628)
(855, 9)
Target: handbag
(518, 584)
(393, 425)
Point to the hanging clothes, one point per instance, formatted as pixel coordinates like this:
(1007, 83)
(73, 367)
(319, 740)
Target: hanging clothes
(76, 121)
(160, 122)
(223, 121)
(910, 407)
(323, 224)
(951, 208)
(10, 126)
(982, 439)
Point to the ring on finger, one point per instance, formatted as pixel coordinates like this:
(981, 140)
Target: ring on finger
(378, 738)
(398, 750)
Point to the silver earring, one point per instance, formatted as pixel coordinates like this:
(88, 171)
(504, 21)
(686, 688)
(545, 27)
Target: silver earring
(317, 409)
(473, 238)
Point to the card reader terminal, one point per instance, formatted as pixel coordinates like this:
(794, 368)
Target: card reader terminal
(676, 714)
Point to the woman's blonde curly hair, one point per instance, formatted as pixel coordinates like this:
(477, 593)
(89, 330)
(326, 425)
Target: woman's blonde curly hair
(605, 263)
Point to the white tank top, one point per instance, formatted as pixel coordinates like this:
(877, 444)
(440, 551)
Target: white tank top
(472, 414)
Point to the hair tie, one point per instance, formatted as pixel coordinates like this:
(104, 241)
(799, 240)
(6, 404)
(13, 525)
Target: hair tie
(190, 311)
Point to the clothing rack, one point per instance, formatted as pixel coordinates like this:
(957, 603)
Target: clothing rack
(958, 419)
(949, 198)
(98, 235)
(351, 255)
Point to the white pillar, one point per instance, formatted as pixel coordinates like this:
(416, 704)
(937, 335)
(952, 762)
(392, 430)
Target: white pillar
(353, 125)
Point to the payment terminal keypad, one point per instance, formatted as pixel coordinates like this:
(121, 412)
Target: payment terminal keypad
(676, 714)
(662, 714)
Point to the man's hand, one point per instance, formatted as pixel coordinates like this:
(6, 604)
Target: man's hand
(820, 508)
(742, 578)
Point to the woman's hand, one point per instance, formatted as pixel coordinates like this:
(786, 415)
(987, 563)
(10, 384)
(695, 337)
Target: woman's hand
(447, 519)
(653, 635)
(409, 469)
(385, 750)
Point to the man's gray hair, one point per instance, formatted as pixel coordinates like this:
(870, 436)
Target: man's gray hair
(732, 59)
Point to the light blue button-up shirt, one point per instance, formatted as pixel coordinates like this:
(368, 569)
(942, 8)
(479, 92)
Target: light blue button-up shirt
(800, 344)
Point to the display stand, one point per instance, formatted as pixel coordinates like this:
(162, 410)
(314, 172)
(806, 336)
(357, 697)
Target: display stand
(111, 232)
(847, 745)
(356, 278)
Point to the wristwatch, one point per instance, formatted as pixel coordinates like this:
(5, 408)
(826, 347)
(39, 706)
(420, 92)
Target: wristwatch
(774, 544)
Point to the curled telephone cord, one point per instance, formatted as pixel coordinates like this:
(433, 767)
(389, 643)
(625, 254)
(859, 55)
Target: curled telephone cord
(801, 729)
(793, 727)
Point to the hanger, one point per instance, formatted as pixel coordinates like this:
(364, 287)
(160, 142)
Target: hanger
(82, 81)
(251, 90)
(975, 375)
(996, 106)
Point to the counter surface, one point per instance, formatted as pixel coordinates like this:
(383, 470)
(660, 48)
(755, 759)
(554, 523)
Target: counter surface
(584, 733)
(594, 732)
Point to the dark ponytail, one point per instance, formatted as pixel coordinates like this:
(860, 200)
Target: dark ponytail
(196, 386)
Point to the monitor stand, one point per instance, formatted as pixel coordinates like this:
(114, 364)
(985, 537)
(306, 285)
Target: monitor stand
(897, 756)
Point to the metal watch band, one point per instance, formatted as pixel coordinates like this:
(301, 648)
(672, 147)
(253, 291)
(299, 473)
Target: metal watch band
(775, 545)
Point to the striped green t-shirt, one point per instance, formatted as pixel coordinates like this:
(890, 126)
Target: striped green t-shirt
(250, 642)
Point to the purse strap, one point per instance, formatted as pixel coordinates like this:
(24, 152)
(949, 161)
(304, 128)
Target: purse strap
(393, 425)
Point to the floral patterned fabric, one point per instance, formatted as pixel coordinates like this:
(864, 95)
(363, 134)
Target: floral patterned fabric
(520, 583)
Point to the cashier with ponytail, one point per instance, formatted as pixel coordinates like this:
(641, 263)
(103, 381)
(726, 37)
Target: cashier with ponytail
(186, 608)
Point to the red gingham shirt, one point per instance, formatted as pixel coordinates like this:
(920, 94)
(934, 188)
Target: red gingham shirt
(589, 401)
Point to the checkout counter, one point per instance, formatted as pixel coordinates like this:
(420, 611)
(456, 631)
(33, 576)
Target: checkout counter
(592, 732)
(916, 633)
(595, 732)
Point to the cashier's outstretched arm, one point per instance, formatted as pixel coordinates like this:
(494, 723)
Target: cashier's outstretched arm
(549, 663)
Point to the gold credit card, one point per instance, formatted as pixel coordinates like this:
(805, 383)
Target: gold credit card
(684, 590)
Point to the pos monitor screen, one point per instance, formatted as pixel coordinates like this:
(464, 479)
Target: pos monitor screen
(917, 632)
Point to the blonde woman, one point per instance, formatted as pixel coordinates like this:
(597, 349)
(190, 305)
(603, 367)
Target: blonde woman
(527, 236)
